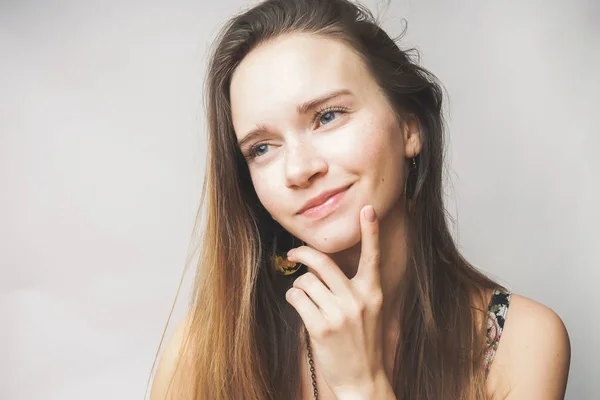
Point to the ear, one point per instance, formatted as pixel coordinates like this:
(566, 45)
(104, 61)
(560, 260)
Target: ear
(412, 136)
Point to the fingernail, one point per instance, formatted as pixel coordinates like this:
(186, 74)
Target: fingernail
(289, 253)
(370, 214)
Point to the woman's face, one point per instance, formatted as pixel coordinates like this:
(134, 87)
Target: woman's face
(311, 121)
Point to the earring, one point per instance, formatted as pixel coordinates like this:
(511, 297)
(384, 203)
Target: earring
(410, 186)
(279, 261)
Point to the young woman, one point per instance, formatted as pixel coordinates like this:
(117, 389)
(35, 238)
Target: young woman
(326, 138)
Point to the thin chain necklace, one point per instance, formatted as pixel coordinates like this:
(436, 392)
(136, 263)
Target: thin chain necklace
(311, 363)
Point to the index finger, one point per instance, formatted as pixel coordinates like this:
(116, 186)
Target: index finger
(368, 266)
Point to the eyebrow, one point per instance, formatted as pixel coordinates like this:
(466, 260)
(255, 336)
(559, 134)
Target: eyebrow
(258, 131)
(300, 109)
(309, 105)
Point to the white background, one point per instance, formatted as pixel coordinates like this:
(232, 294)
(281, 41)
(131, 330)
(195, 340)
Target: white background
(102, 155)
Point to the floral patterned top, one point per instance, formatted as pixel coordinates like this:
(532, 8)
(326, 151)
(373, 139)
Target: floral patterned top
(495, 324)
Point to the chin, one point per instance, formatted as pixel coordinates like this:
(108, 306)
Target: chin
(336, 238)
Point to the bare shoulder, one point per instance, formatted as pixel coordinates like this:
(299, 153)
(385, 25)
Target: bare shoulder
(533, 356)
(168, 363)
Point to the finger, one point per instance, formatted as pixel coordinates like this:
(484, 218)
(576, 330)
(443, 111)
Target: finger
(327, 270)
(320, 295)
(310, 314)
(368, 266)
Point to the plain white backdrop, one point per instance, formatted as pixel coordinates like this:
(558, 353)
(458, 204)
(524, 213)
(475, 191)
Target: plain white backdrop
(102, 155)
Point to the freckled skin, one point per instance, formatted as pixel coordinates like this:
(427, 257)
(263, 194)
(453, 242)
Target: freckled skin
(363, 147)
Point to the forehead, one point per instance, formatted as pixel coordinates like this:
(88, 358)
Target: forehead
(289, 70)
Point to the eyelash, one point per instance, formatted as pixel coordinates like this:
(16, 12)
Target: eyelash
(252, 151)
(319, 113)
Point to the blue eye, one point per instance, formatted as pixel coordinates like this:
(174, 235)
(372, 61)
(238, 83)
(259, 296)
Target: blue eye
(327, 117)
(257, 150)
(328, 114)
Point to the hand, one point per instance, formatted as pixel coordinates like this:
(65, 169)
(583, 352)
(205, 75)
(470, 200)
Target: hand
(343, 316)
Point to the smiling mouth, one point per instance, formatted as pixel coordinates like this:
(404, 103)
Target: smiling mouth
(329, 204)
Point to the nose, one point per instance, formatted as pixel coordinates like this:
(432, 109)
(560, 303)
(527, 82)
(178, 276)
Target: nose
(302, 164)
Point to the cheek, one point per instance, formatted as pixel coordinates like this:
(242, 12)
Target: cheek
(373, 147)
(374, 151)
(267, 191)
(381, 158)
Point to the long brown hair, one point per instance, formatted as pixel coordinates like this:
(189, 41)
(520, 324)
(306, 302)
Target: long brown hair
(243, 341)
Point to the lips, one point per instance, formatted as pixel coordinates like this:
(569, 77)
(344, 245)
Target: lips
(321, 199)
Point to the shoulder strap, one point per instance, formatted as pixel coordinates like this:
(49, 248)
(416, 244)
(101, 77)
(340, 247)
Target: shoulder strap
(497, 310)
